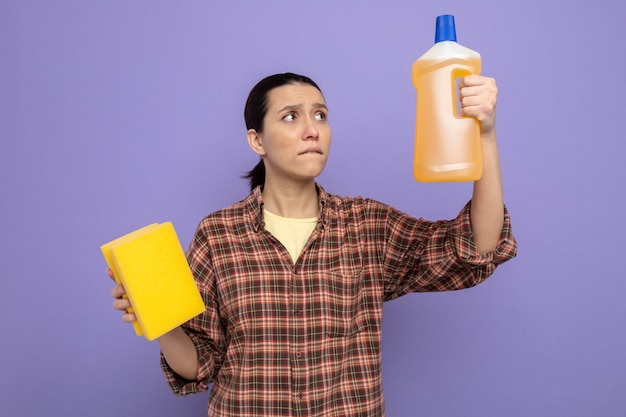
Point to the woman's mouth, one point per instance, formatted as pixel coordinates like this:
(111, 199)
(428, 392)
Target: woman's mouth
(313, 149)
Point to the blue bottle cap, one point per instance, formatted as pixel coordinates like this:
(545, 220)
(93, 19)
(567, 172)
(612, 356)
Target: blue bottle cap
(445, 29)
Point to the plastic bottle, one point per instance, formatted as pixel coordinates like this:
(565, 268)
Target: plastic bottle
(447, 146)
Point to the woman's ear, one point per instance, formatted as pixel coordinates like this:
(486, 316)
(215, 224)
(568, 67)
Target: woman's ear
(255, 142)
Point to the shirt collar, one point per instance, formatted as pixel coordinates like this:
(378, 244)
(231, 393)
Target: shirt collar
(254, 202)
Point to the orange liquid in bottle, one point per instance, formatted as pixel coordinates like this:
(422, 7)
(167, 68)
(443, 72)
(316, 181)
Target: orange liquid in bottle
(447, 146)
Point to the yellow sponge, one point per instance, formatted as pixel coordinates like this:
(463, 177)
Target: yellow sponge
(151, 265)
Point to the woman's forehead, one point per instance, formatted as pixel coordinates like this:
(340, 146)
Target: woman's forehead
(295, 94)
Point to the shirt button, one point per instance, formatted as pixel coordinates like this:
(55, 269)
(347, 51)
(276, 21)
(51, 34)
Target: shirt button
(298, 354)
(298, 312)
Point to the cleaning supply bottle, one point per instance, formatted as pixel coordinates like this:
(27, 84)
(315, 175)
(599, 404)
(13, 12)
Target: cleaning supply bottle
(447, 145)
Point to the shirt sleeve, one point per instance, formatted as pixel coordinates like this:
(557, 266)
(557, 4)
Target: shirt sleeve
(423, 256)
(205, 330)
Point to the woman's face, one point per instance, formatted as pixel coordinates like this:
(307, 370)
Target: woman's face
(295, 141)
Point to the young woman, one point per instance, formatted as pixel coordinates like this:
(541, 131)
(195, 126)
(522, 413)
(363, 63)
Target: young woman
(294, 278)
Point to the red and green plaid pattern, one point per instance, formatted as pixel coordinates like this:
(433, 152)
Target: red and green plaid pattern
(280, 339)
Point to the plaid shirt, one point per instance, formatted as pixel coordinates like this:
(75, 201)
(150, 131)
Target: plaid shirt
(280, 339)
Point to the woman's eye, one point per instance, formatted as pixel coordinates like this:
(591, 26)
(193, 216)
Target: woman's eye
(320, 116)
(289, 117)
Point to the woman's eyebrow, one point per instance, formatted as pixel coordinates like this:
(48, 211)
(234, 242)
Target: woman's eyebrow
(292, 107)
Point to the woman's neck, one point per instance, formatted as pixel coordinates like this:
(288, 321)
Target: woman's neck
(296, 200)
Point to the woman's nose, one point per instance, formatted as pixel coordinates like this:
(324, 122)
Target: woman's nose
(311, 131)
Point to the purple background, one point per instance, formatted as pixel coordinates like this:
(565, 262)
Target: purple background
(116, 114)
